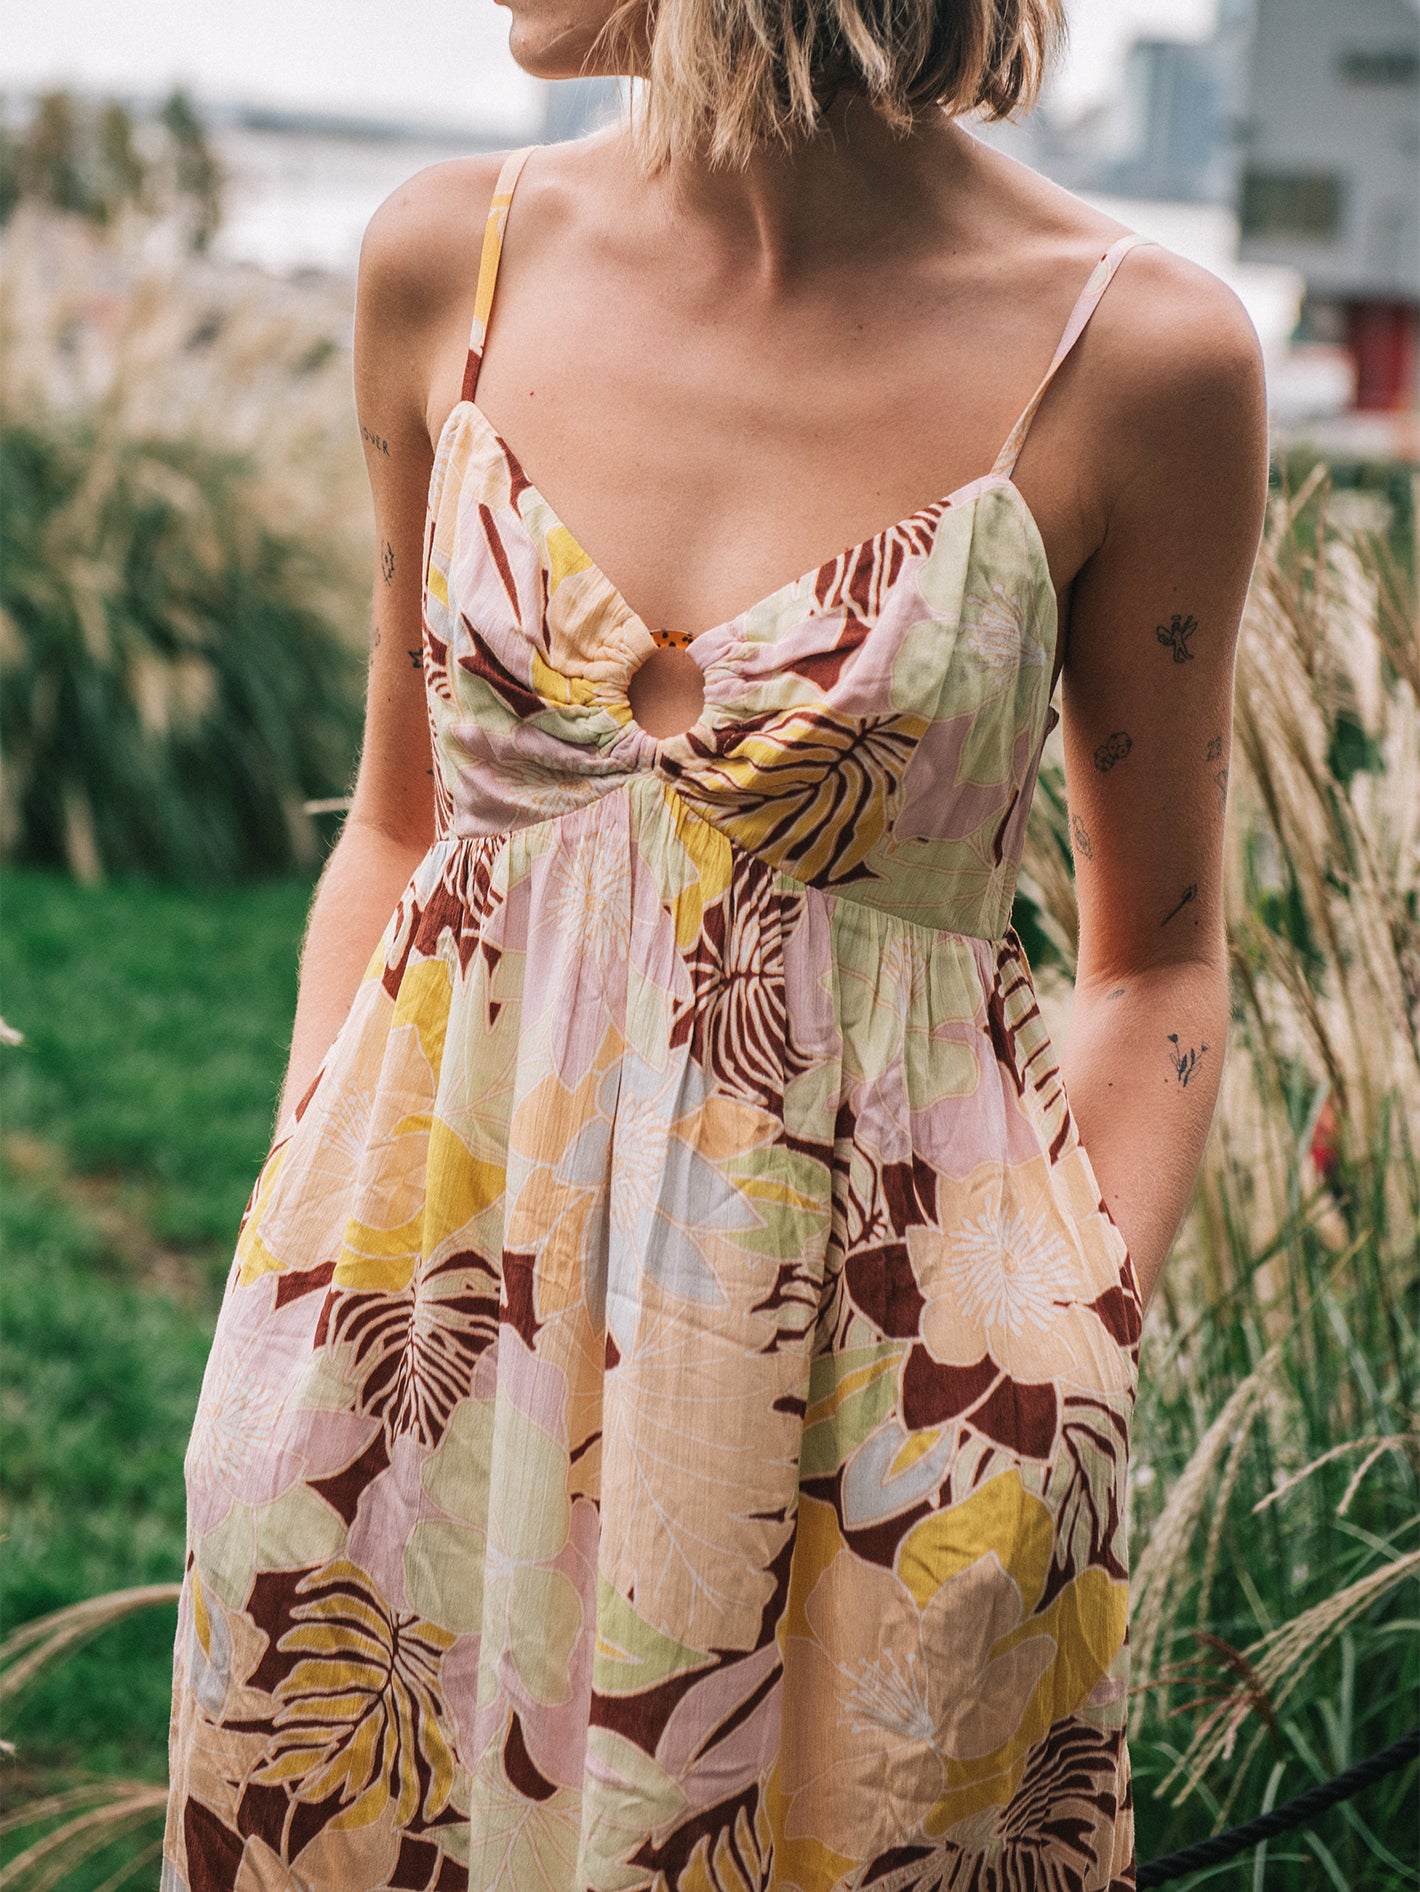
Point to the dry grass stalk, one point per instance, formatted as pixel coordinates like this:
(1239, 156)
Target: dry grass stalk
(1164, 1563)
(123, 1807)
(1392, 1442)
(31, 1647)
(1276, 1664)
(124, 1874)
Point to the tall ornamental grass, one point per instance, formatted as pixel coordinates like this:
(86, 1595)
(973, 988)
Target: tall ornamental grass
(183, 593)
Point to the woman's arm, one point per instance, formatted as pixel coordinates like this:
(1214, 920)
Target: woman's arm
(1147, 720)
(414, 289)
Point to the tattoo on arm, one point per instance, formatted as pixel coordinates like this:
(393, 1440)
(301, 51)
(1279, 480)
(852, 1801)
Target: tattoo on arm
(1221, 778)
(1083, 844)
(387, 562)
(1215, 748)
(416, 659)
(1113, 749)
(1175, 635)
(375, 640)
(1190, 892)
(1117, 993)
(377, 441)
(1184, 1063)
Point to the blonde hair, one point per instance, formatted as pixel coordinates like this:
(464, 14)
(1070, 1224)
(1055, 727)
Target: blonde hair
(725, 77)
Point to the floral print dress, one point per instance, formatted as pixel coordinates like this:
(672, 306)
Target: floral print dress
(668, 1419)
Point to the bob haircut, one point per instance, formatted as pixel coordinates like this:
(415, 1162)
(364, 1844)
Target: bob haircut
(725, 77)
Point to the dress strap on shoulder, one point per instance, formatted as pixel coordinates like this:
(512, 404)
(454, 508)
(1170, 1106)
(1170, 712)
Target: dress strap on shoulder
(1085, 304)
(488, 263)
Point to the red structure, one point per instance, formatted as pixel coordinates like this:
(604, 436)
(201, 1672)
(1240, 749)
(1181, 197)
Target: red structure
(1383, 338)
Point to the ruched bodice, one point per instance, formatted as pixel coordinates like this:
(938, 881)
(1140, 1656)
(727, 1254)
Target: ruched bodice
(872, 728)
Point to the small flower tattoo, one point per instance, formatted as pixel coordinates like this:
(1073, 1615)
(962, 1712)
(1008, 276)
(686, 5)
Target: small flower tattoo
(1184, 1063)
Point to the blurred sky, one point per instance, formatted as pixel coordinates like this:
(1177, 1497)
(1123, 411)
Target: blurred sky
(444, 60)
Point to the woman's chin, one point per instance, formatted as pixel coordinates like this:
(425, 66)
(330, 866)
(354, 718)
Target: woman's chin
(546, 50)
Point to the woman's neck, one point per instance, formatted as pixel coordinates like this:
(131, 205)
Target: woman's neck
(788, 211)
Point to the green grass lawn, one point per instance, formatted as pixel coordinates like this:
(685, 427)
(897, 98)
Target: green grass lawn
(136, 1113)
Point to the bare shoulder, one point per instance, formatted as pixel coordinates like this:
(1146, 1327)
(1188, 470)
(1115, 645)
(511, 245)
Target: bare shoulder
(420, 248)
(1178, 435)
(1166, 325)
(1179, 362)
(1175, 329)
(1171, 393)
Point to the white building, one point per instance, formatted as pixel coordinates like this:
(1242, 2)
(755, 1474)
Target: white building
(1330, 176)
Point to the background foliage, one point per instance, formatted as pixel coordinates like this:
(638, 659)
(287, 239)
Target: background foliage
(184, 593)
(90, 158)
(185, 603)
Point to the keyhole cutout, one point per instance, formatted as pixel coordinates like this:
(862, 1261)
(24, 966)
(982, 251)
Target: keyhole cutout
(667, 692)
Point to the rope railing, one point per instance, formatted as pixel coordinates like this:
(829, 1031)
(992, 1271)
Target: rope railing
(1292, 1813)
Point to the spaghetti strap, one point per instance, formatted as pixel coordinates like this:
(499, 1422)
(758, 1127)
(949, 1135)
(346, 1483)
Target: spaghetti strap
(1085, 304)
(488, 263)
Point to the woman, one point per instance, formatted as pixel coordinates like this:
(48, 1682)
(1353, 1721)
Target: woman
(668, 1422)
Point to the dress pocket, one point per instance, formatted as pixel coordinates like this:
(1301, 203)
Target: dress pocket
(1023, 1041)
(1128, 1280)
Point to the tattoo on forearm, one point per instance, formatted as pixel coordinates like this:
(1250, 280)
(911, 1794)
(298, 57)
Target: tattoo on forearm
(377, 441)
(387, 562)
(1113, 749)
(416, 659)
(1184, 1063)
(375, 640)
(1215, 748)
(1117, 993)
(1175, 635)
(1190, 892)
(1083, 844)
(1221, 778)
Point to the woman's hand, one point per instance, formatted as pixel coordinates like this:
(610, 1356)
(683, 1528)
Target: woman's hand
(1147, 724)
